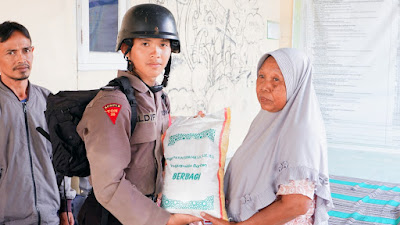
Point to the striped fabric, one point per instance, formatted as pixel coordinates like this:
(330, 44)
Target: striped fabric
(364, 202)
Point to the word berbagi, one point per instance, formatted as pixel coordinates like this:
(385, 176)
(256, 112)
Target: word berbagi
(186, 176)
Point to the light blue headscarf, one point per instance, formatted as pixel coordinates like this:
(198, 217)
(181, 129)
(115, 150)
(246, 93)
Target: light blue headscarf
(282, 146)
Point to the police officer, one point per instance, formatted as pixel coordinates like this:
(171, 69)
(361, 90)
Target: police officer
(126, 170)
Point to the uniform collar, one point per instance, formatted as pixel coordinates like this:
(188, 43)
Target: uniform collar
(135, 81)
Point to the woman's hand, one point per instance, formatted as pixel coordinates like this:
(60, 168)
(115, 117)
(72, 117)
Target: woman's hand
(182, 219)
(214, 220)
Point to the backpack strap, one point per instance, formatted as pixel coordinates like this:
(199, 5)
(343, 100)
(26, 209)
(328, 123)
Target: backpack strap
(126, 88)
(43, 132)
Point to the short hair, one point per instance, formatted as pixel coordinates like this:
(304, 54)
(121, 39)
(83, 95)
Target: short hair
(8, 28)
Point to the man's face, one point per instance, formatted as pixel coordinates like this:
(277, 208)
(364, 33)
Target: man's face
(149, 57)
(16, 57)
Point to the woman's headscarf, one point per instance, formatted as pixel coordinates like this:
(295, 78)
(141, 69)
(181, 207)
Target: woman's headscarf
(282, 146)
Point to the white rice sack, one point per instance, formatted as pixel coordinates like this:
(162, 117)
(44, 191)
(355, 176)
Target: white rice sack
(195, 152)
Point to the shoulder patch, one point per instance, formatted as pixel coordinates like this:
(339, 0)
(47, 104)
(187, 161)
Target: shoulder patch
(112, 110)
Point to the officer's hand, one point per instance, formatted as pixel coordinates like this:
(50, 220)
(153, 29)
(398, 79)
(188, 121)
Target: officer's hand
(182, 219)
(159, 196)
(200, 113)
(214, 220)
(197, 223)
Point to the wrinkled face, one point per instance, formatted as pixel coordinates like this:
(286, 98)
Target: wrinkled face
(149, 57)
(270, 87)
(16, 57)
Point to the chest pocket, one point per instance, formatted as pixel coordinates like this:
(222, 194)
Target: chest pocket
(150, 124)
(145, 130)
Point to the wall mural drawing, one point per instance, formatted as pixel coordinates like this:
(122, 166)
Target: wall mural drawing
(220, 46)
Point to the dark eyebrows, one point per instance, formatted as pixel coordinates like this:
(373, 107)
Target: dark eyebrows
(148, 40)
(24, 48)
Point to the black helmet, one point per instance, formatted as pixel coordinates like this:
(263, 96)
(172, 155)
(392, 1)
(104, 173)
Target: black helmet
(149, 21)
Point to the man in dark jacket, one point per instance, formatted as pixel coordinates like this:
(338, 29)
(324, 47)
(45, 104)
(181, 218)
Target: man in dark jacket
(28, 188)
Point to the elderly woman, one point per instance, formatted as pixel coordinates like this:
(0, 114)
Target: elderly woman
(279, 175)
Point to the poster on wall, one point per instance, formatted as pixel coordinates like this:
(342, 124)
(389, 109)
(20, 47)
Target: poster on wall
(355, 50)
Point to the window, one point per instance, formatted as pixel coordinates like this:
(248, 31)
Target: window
(98, 22)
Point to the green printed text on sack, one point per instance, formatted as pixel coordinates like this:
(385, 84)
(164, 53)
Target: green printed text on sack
(186, 176)
(191, 157)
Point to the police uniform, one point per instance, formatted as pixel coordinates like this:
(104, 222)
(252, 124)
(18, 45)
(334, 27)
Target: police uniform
(126, 169)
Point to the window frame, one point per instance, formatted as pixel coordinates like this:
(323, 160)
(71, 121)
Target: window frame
(90, 60)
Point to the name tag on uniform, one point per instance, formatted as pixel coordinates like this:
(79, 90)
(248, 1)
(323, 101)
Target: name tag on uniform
(146, 118)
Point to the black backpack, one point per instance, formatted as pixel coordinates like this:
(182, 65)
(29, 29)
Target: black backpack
(63, 112)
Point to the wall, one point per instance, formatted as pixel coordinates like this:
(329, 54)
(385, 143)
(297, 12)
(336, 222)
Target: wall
(224, 78)
(52, 28)
(193, 84)
(286, 20)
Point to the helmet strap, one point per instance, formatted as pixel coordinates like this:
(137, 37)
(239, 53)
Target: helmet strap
(166, 73)
(130, 65)
(154, 89)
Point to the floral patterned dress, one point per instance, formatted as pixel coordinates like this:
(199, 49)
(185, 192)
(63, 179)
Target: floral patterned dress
(303, 187)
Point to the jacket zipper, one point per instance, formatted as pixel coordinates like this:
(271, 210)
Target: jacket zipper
(31, 161)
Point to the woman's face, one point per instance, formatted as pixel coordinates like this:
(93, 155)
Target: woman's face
(271, 88)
